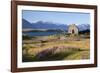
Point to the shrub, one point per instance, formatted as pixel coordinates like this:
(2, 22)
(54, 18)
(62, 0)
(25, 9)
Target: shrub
(26, 37)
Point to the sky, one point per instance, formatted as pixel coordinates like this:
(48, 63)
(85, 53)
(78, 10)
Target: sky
(56, 17)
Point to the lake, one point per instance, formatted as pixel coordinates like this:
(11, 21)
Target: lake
(41, 33)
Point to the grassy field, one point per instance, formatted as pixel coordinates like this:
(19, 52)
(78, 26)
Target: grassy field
(54, 47)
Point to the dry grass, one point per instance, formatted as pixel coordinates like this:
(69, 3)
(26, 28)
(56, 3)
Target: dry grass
(83, 45)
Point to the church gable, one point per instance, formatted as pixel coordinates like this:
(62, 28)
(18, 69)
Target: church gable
(73, 29)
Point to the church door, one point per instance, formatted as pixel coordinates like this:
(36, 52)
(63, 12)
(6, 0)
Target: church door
(73, 31)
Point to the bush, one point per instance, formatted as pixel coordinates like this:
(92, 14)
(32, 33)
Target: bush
(26, 37)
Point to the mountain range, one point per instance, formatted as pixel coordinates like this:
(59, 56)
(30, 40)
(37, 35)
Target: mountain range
(50, 25)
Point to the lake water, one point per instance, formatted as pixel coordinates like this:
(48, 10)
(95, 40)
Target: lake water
(41, 33)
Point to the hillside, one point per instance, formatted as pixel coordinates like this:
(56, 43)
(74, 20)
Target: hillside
(51, 26)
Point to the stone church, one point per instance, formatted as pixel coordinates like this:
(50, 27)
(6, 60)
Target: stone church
(73, 29)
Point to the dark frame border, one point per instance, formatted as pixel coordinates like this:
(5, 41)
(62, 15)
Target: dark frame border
(14, 5)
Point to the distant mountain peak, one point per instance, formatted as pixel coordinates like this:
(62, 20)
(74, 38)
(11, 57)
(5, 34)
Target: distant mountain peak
(50, 25)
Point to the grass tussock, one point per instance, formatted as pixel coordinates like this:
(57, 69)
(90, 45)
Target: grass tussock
(51, 48)
(55, 53)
